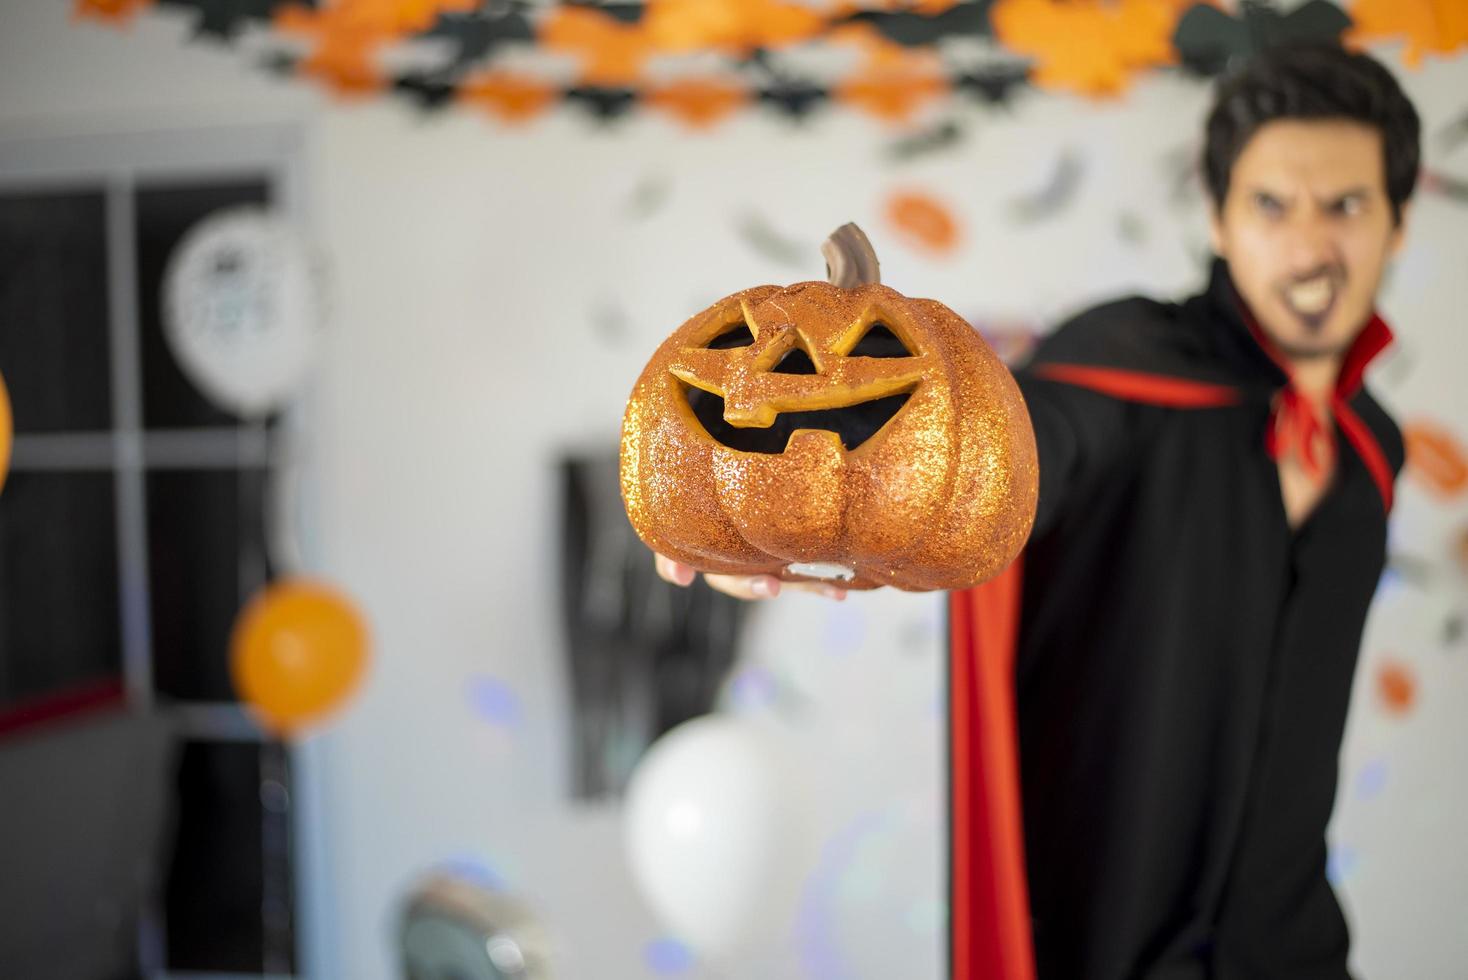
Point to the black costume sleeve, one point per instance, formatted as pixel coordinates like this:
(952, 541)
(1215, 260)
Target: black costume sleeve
(1081, 435)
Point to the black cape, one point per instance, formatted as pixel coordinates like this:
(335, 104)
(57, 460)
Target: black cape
(1147, 710)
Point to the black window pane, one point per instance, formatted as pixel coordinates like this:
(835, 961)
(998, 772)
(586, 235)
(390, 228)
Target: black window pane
(206, 550)
(58, 584)
(54, 337)
(164, 216)
(228, 904)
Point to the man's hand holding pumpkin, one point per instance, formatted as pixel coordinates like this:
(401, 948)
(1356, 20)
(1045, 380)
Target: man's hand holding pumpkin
(742, 586)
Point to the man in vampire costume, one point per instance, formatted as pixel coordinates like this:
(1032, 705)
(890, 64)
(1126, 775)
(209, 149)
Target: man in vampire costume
(1147, 707)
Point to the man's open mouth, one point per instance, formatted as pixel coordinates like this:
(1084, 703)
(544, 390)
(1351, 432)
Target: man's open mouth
(854, 424)
(1313, 299)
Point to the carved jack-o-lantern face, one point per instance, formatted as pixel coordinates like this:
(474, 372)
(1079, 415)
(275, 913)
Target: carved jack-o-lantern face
(817, 432)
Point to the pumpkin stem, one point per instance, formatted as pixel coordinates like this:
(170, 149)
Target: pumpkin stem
(850, 259)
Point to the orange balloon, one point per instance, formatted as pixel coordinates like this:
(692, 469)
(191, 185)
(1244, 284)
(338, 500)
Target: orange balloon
(4, 432)
(298, 652)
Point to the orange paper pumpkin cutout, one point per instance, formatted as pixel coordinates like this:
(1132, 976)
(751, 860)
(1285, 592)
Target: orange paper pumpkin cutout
(6, 429)
(350, 34)
(612, 53)
(1438, 27)
(732, 26)
(1088, 46)
(894, 81)
(298, 651)
(510, 96)
(1396, 687)
(1436, 459)
(924, 221)
(820, 432)
(115, 12)
(697, 102)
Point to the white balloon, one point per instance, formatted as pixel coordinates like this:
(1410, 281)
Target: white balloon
(241, 309)
(720, 834)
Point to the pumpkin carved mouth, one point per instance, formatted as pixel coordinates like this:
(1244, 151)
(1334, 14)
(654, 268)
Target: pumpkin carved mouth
(854, 424)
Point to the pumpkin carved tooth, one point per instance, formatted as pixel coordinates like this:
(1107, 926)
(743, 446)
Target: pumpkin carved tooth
(892, 449)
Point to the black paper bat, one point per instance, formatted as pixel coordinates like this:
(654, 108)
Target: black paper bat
(1210, 41)
(793, 99)
(915, 30)
(477, 36)
(626, 13)
(1055, 195)
(222, 20)
(426, 91)
(944, 136)
(760, 235)
(605, 104)
(995, 85)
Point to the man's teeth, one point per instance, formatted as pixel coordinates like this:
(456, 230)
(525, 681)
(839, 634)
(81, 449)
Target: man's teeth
(1312, 297)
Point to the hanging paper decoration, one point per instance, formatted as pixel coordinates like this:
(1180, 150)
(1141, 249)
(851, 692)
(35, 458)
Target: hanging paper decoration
(1093, 47)
(1436, 458)
(893, 81)
(6, 428)
(298, 652)
(115, 12)
(697, 102)
(611, 53)
(1209, 40)
(1430, 27)
(509, 96)
(1396, 687)
(924, 221)
(639, 54)
(731, 26)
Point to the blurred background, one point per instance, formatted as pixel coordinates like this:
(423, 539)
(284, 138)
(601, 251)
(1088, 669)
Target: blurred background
(317, 321)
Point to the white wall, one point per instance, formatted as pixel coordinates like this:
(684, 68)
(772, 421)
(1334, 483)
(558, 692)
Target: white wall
(469, 265)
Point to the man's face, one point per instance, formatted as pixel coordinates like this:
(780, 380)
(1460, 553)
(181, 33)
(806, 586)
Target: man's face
(1307, 231)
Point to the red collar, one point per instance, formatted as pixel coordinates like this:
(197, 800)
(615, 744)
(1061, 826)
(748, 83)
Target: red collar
(1296, 428)
(1373, 338)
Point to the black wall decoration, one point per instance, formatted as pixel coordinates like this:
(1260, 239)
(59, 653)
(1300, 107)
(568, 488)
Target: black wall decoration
(644, 655)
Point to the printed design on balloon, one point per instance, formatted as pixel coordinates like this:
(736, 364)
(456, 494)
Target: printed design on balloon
(242, 310)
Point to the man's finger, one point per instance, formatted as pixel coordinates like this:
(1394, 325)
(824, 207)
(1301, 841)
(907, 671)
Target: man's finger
(673, 571)
(745, 586)
(819, 588)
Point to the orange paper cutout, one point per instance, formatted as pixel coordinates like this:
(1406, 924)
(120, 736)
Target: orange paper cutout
(1437, 27)
(1396, 687)
(923, 220)
(510, 96)
(118, 13)
(733, 26)
(350, 34)
(1436, 459)
(894, 81)
(697, 102)
(611, 53)
(1093, 47)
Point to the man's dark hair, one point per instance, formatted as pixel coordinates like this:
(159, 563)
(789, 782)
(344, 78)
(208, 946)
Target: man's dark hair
(1313, 81)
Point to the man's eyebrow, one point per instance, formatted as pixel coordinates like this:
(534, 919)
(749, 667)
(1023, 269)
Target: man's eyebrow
(1358, 191)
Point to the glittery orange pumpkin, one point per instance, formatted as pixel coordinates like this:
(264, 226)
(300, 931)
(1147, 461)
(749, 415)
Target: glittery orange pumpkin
(822, 432)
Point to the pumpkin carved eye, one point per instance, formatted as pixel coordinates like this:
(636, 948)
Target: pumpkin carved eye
(732, 336)
(795, 361)
(879, 341)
